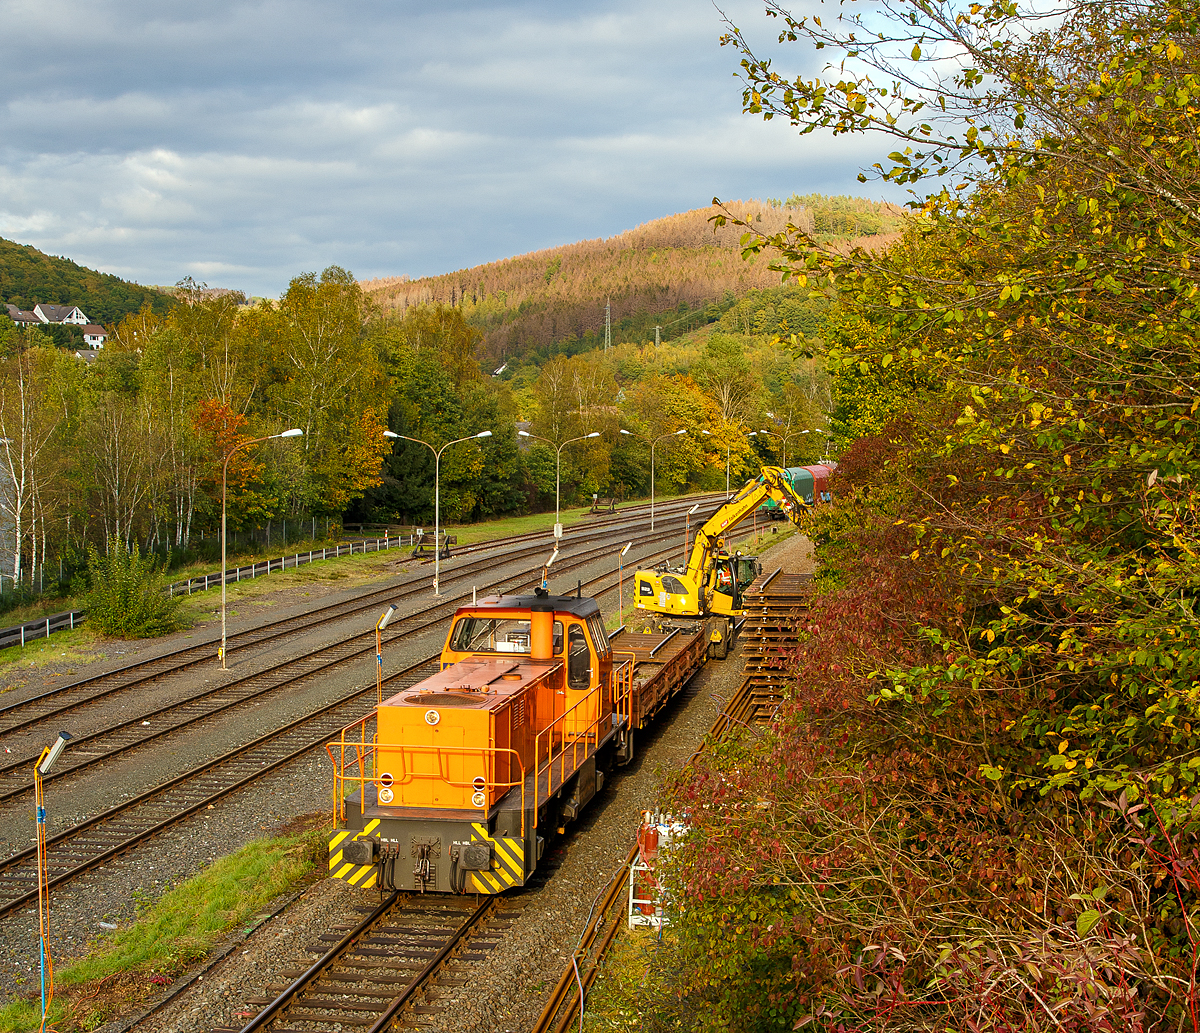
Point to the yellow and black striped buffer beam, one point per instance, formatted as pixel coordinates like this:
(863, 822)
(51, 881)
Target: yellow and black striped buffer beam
(364, 875)
(508, 863)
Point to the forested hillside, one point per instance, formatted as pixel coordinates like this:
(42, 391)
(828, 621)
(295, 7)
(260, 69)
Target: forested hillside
(28, 277)
(131, 446)
(977, 807)
(677, 272)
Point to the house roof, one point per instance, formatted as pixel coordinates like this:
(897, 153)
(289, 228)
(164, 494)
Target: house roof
(93, 330)
(57, 313)
(18, 315)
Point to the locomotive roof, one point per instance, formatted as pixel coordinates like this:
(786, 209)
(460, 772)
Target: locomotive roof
(581, 607)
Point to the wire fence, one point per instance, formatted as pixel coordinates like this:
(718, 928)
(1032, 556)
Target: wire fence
(44, 627)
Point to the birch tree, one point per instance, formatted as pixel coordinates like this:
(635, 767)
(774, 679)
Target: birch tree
(28, 420)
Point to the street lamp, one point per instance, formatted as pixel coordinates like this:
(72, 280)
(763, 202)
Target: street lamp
(437, 493)
(653, 446)
(557, 462)
(295, 432)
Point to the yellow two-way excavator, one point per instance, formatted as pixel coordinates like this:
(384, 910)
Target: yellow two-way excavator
(713, 581)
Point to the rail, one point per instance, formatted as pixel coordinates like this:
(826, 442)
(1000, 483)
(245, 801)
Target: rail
(565, 1001)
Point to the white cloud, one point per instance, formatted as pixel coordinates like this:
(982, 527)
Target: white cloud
(243, 141)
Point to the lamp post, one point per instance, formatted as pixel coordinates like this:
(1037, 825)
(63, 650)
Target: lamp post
(782, 437)
(437, 494)
(41, 769)
(380, 624)
(621, 583)
(653, 445)
(818, 430)
(295, 432)
(557, 464)
(687, 519)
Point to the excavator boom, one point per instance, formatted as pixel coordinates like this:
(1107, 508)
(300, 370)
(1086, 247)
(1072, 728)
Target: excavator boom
(713, 581)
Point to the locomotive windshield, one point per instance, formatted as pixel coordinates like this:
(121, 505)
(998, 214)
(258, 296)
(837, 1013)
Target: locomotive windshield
(497, 635)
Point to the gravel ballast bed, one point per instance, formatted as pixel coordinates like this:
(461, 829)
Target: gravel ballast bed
(504, 992)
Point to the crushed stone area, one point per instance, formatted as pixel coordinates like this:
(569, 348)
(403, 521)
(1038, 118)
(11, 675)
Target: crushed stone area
(507, 990)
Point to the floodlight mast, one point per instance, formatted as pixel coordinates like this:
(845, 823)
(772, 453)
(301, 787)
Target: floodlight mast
(546, 567)
(379, 626)
(41, 769)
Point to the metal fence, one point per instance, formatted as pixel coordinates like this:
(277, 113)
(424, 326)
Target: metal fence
(43, 627)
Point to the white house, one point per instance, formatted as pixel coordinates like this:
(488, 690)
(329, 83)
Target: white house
(94, 335)
(61, 314)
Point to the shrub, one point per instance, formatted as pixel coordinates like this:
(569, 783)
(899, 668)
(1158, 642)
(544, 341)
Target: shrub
(127, 598)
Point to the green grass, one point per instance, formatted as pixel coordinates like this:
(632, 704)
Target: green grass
(173, 933)
(73, 647)
(624, 996)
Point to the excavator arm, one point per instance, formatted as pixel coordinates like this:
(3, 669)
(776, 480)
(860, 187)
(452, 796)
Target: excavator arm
(687, 592)
(772, 484)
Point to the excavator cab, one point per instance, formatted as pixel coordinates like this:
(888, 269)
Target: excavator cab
(731, 576)
(748, 569)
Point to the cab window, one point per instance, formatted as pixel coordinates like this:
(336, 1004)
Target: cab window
(645, 588)
(579, 658)
(749, 571)
(497, 635)
(673, 585)
(599, 636)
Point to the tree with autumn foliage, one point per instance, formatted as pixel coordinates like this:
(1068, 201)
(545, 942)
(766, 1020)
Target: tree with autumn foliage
(977, 808)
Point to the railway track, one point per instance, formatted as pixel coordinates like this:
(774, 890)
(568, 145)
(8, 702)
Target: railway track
(145, 726)
(107, 835)
(377, 969)
(25, 713)
(562, 1008)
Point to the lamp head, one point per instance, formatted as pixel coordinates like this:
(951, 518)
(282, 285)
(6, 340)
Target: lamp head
(390, 434)
(553, 557)
(594, 434)
(295, 432)
(54, 753)
(387, 616)
(524, 434)
(684, 431)
(693, 509)
(627, 547)
(707, 434)
(484, 434)
(626, 432)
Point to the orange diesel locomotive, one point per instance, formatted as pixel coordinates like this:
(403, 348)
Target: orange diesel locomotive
(454, 785)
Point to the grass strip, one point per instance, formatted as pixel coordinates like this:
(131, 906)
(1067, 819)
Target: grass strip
(170, 935)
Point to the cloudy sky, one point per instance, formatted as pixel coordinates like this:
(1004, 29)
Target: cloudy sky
(244, 141)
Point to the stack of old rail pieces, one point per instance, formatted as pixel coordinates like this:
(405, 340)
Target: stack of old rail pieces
(776, 604)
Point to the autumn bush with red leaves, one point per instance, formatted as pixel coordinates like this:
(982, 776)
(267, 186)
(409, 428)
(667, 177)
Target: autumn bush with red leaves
(977, 807)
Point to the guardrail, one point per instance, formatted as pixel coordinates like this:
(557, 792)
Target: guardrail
(43, 627)
(19, 634)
